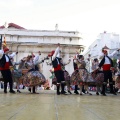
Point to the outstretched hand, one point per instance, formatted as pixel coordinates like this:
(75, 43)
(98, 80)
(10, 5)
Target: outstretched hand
(118, 49)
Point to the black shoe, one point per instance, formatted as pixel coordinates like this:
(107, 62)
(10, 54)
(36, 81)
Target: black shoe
(12, 91)
(33, 92)
(18, 91)
(104, 94)
(114, 93)
(63, 92)
(69, 91)
(29, 89)
(58, 93)
(76, 92)
(90, 93)
(5, 91)
(97, 93)
(80, 93)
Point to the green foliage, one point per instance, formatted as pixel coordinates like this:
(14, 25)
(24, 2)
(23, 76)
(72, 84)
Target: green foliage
(114, 62)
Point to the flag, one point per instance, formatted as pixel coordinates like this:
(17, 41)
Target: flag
(1, 42)
(4, 41)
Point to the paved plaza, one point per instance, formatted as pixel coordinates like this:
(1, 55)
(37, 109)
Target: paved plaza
(48, 106)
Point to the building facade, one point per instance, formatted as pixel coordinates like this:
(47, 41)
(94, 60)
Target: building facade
(26, 41)
(110, 40)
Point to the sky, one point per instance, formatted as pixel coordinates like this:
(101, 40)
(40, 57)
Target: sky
(89, 17)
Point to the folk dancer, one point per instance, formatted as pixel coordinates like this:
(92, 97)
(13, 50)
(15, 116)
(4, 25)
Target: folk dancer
(81, 76)
(76, 69)
(5, 64)
(58, 70)
(33, 77)
(106, 64)
(97, 75)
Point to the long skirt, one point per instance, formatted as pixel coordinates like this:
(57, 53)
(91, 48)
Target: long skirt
(81, 76)
(16, 74)
(33, 78)
(117, 83)
(98, 77)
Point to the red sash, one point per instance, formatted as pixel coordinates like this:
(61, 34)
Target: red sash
(106, 67)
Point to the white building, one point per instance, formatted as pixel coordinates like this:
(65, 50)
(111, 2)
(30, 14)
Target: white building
(26, 41)
(110, 40)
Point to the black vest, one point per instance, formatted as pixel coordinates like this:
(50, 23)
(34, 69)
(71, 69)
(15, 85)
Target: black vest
(3, 61)
(55, 62)
(103, 61)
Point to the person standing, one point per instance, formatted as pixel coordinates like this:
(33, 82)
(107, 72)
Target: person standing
(106, 64)
(5, 64)
(97, 75)
(76, 69)
(56, 60)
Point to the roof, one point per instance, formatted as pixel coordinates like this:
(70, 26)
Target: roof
(12, 25)
(1, 27)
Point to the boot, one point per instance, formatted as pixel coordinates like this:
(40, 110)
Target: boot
(34, 89)
(5, 88)
(97, 93)
(103, 90)
(18, 91)
(111, 90)
(83, 90)
(69, 91)
(76, 88)
(29, 89)
(58, 90)
(62, 87)
(11, 89)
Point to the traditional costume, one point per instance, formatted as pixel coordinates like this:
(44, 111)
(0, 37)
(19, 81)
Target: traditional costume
(97, 75)
(5, 64)
(81, 75)
(56, 62)
(106, 64)
(33, 77)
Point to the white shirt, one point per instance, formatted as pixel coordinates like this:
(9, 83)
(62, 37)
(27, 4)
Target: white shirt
(107, 61)
(57, 53)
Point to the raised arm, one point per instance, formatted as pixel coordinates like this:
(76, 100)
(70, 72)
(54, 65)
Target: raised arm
(66, 63)
(13, 54)
(56, 53)
(113, 53)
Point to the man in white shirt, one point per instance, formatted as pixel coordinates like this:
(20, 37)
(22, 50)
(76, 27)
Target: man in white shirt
(106, 64)
(56, 62)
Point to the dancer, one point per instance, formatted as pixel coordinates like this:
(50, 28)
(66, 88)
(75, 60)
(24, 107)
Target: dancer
(16, 73)
(117, 82)
(66, 74)
(81, 76)
(97, 75)
(32, 78)
(75, 69)
(58, 70)
(5, 64)
(106, 64)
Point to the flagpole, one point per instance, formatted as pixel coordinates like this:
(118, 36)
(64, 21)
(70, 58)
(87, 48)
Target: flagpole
(5, 25)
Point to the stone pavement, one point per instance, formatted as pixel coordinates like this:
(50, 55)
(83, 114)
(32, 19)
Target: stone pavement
(48, 106)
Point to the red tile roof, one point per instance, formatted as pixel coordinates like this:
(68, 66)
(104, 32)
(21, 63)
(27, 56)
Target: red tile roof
(1, 27)
(12, 25)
